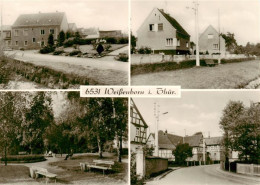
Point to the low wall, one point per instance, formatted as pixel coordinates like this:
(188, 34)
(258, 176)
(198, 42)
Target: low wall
(154, 165)
(157, 58)
(251, 169)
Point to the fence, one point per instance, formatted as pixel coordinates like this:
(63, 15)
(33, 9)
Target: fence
(251, 169)
(157, 58)
(154, 165)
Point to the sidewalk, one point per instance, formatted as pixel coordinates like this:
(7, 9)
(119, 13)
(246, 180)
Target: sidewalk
(237, 175)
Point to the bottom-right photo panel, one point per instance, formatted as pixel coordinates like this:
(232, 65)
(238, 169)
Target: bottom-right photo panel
(204, 137)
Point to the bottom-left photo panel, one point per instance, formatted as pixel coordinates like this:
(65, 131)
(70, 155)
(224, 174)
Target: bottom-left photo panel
(57, 137)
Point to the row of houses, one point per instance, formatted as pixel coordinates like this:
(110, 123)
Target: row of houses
(168, 142)
(164, 34)
(31, 31)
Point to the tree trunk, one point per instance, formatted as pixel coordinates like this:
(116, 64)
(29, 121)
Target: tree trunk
(118, 149)
(5, 153)
(99, 147)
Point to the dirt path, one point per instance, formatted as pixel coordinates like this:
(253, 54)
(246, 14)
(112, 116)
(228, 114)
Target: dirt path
(105, 71)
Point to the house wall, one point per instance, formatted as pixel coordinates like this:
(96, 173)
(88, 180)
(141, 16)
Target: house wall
(167, 154)
(64, 24)
(156, 40)
(206, 44)
(155, 165)
(33, 32)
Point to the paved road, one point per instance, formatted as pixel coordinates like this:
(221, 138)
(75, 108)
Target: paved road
(202, 175)
(104, 70)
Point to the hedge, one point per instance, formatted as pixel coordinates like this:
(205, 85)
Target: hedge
(169, 66)
(24, 158)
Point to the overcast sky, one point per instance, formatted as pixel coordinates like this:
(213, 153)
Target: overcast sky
(241, 17)
(194, 111)
(105, 14)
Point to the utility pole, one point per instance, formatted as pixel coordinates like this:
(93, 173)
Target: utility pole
(156, 112)
(197, 32)
(219, 60)
(2, 47)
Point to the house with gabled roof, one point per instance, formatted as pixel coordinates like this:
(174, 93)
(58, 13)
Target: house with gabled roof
(7, 29)
(162, 33)
(31, 31)
(211, 42)
(138, 127)
(215, 148)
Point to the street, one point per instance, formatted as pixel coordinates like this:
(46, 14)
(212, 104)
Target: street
(203, 175)
(103, 70)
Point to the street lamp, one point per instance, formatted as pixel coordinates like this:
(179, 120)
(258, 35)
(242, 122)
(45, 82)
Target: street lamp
(156, 116)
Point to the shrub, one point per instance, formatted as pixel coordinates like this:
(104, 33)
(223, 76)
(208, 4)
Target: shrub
(100, 49)
(24, 158)
(58, 52)
(47, 49)
(68, 43)
(74, 52)
(144, 50)
(107, 47)
(123, 58)
(123, 40)
(111, 40)
(22, 49)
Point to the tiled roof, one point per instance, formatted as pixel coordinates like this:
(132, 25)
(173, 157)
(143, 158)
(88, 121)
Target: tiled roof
(193, 140)
(164, 142)
(213, 141)
(174, 23)
(175, 139)
(40, 19)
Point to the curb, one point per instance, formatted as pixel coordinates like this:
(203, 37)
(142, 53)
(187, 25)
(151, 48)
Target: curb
(242, 176)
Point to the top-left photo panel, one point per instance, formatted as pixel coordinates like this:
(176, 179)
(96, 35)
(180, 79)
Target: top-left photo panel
(62, 44)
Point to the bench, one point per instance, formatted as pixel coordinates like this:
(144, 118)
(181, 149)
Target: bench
(35, 172)
(98, 164)
(210, 62)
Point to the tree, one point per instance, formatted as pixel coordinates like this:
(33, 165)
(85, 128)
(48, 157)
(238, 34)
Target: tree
(50, 40)
(61, 38)
(100, 49)
(230, 41)
(120, 109)
(241, 127)
(38, 118)
(182, 152)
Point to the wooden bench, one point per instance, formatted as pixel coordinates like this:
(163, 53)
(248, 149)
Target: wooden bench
(98, 164)
(210, 62)
(38, 171)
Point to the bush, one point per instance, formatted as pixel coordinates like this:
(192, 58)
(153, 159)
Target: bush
(47, 49)
(123, 40)
(144, 50)
(123, 57)
(58, 52)
(225, 61)
(111, 40)
(68, 43)
(100, 49)
(24, 158)
(75, 52)
(107, 47)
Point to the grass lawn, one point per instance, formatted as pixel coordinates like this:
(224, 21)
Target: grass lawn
(227, 76)
(14, 174)
(71, 171)
(89, 48)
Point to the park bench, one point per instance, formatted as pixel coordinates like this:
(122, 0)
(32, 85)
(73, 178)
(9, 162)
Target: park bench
(38, 171)
(210, 62)
(98, 164)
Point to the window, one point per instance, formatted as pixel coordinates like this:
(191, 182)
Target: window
(178, 42)
(169, 42)
(26, 43)
(137, 131)
(187, 44)
(215, 46)
(210, 36)
(33, 40)
(16, 32)
(16, 43)
(42, 32)
(52, 31)
(25, 32)
(151, 27)
(8, 34)
(160, 27)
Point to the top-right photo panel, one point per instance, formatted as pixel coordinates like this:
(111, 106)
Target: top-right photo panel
(197, 44)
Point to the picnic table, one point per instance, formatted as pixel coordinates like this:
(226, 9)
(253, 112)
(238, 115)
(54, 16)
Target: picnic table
(36, 172)
(97, 164)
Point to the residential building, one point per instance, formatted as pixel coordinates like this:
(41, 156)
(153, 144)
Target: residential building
(72, 27)
(31, 31)
(110, 33)
(162, 33)
(210, 42)
(7, 29)
(138, 127)
(196, 142)
(214, 148)
(89, 33)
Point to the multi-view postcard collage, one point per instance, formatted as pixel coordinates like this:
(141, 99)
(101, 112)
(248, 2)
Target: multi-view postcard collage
(130, 92)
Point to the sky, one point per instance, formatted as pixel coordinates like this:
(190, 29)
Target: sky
(241, 17)
(105, 14)
(197, 111)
